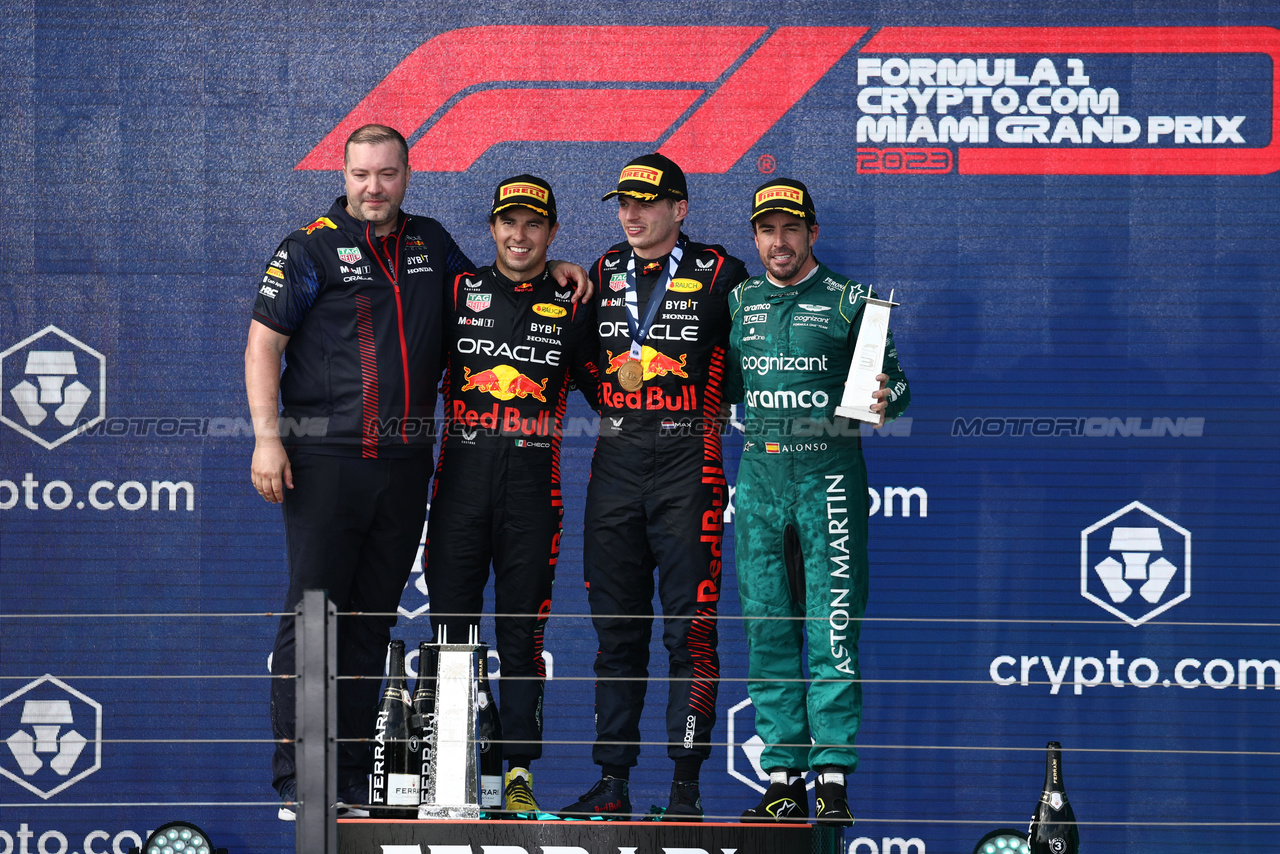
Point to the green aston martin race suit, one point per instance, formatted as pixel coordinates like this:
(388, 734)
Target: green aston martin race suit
(800, 511)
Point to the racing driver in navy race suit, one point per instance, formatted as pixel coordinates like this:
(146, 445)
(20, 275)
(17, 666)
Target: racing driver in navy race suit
(354, 304)
(516, 343)
(657, 493)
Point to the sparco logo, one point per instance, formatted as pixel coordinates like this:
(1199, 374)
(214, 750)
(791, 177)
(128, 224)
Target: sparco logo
(54, 736)
(1135, 550)
(52, 387)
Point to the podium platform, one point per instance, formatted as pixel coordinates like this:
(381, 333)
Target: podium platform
(379, 836)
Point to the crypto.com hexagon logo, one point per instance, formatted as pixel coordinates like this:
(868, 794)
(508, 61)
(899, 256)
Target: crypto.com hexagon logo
(52, 735)
(1135, 563)
(745, 751)
(52, 387)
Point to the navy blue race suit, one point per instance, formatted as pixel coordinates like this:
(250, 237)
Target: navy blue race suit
(657, 498)
(514, 348)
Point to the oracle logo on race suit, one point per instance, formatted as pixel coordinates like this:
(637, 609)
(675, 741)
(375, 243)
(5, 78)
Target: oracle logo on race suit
(970, 111)
(52, 735)
(52, 387)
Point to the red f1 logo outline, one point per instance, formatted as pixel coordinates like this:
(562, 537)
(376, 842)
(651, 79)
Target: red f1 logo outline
(722, 128)
(726, 123)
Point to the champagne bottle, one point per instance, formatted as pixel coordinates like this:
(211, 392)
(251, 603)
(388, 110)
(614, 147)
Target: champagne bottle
(1053, 827)
(394, 793)
(488, 737)
(422, 723)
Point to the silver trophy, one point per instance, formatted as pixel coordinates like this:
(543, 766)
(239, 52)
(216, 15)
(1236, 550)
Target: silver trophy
(455, 790)
(868, 361)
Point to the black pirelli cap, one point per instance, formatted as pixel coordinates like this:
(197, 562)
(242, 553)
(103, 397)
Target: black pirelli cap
(650, 177)
(786, 195)
(527, 191)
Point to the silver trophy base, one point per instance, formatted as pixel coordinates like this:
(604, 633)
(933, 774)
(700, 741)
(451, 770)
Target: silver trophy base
(465, 811)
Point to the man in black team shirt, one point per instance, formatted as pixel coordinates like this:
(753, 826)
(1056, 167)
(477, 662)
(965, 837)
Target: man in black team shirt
(354, 302)
(516, 342)
(657, 493)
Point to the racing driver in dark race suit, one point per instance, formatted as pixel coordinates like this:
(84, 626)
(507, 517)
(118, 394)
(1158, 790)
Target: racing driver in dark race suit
(657, 493)
(516, 341)
(800, 509)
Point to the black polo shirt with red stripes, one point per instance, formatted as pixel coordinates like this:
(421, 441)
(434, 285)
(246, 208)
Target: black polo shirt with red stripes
(364, 316)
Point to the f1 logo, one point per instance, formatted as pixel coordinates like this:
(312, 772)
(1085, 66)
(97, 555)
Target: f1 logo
(739, 82)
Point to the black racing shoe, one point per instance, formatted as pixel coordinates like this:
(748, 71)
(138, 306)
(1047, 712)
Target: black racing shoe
(609, 798)
(685, 803)
(781, 802)
(833, 805)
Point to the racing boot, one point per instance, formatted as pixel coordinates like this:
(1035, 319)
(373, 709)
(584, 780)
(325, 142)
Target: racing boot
(609, 798)
(520, 802)
(685, 803)
(781, 802)
(833, 802)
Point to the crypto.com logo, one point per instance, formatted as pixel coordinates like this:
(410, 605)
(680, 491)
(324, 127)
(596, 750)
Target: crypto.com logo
(744, 753)
(595, 84)
(53, 735)
(1135, 563)
(49, 382)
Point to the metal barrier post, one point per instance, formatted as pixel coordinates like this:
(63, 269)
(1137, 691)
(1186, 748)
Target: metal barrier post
(316, 661)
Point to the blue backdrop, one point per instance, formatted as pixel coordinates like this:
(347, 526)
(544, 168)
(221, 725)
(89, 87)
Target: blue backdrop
(1073, 528)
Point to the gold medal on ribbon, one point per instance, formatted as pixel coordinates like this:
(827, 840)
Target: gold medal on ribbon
(631, 375)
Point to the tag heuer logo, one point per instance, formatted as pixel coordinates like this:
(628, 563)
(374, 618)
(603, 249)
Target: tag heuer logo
(617, 282)
(349, 254)
(479, 302)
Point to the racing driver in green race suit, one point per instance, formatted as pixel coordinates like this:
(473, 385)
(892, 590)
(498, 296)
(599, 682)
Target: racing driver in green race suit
(800, 514)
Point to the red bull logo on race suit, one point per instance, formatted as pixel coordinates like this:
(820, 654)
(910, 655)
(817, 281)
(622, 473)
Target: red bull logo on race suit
(504, 382)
